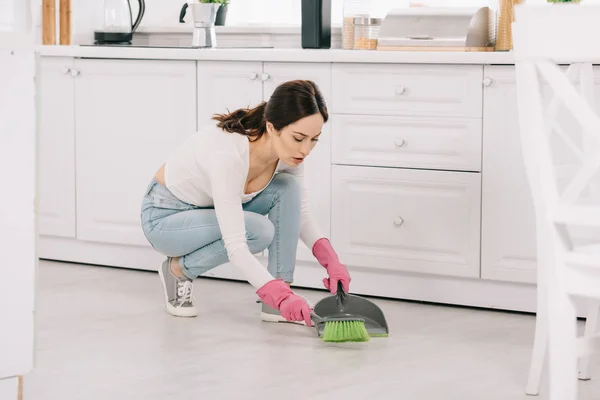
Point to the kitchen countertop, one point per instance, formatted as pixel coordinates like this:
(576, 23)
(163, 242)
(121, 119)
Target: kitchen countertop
(278, 54)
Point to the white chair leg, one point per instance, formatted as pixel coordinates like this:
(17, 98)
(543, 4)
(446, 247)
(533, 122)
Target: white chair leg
(538, 357)
(562, 356)
(540, 341)
(591, 326)
(540, 347)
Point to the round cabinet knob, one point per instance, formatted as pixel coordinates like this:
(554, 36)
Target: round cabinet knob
(66, 70)
(487, 81)
(265, 77)
(74, 72)
(398, 221)
(253, 76)
(399, 142)
(400, 90)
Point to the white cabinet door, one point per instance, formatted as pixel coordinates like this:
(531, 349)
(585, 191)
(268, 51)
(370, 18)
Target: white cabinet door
(508, 222)
(227, 85)
(130, 114)
(395, 220)
(318, 163)
(56, 147)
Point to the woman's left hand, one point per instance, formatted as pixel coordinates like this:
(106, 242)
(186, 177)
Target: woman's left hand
(337, 271)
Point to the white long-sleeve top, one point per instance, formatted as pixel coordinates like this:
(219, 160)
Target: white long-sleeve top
(210, 170)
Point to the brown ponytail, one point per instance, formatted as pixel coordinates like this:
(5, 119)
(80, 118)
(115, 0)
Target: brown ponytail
(290, 102)
(246, 121)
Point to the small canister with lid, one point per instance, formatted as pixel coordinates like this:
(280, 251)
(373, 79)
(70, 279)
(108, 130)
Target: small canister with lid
(366, 33)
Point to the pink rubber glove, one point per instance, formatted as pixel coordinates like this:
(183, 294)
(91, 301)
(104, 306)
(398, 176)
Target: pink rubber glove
(277, 294)
(337, 271)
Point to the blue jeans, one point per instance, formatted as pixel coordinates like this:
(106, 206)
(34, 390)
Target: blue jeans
(178, 229)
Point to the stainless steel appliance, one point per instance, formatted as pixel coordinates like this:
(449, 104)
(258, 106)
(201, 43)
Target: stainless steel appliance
(204, 16)
(438, 29)
(116, 24)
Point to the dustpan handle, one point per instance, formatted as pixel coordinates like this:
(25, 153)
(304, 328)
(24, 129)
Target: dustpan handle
(341, 294)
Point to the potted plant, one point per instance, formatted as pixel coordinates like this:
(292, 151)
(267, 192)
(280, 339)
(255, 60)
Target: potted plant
(209, 9)
(222, 12)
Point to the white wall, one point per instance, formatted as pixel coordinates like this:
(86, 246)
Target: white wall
(241, 12)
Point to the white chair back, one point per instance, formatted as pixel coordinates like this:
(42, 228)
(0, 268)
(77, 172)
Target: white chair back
(567, 198)
(562, 160)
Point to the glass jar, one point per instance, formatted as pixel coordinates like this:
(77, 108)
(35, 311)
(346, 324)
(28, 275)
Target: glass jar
(351, 10)
(366, 33)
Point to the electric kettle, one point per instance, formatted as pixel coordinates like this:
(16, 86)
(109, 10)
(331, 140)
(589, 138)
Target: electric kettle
(115, 25)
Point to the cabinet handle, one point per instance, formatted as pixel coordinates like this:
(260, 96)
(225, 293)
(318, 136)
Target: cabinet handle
(400, 90)
(398, 221)
(66, 70)
(399, 142)
(487, 81)
(265, 77)
(74, 72)
(253, 76)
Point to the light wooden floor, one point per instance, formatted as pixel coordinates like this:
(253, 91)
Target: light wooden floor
(103, 334)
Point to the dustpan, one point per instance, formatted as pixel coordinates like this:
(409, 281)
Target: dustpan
(344, 305)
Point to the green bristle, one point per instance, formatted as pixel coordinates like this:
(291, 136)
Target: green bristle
(345, 331)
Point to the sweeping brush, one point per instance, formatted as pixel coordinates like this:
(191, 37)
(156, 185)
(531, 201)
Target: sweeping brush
(343, 329)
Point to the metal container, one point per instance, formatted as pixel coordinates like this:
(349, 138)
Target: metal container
(204, 16)
(366, 33)
(438, 29)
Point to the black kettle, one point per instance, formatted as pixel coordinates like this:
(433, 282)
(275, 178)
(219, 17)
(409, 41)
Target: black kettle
(117, 25)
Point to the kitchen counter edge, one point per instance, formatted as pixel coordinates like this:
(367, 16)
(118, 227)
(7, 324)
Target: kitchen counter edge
(277, 55)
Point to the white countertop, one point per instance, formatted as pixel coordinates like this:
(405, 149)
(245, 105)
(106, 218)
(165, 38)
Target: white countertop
(279, 54)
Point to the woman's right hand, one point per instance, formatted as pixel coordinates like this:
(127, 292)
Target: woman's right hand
(277, 294)
(295, 308)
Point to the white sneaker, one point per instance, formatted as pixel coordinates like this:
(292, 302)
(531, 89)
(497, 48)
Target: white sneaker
(269, 314)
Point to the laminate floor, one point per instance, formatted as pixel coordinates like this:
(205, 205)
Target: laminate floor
(103, 334)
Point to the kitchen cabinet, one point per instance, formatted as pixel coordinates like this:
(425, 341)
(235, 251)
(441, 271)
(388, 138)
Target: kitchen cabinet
(56, 148)
(407, 220)
(508, 240)
(318, 165)
(231, 85)
(129, 114)
(407, 142)
(418, 178)
(412, 89)
(509, 246)
(224, 86)
(116, 122)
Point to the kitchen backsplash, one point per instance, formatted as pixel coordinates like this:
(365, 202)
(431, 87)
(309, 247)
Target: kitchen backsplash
(165, 13)
(161, 14)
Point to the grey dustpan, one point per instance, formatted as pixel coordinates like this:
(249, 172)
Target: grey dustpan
(344, 305)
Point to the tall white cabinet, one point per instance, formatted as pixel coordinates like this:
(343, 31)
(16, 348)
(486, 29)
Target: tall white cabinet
(18, 211)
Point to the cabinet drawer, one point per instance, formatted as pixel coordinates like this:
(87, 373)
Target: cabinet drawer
(412, 90)
(407, 220)
(440, 143)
